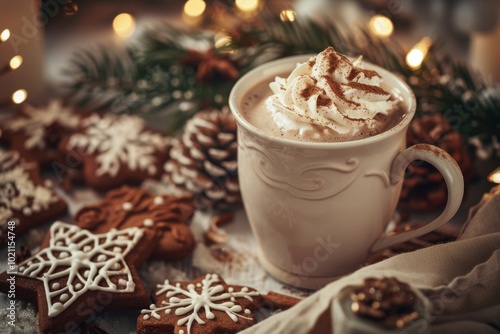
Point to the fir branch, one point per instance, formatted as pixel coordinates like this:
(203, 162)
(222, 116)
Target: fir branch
(152, 73)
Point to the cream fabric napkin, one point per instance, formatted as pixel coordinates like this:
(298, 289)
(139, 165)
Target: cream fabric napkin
(460, 278)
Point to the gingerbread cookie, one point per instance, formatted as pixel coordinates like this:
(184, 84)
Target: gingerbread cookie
(24, 198)
(116, 150)
(206, 305)
(78, 273)
(35, 132)
(128, 207)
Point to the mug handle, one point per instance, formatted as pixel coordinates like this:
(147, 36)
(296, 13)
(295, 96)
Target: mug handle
(452, 175)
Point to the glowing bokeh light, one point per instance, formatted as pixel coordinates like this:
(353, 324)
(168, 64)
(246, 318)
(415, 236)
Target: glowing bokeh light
(495, 176)
(15, 62)
(247, 5)
(381, 26)
(287, 15)
(416, 56)
(124, 25)
(194, 8)
(19, 96)
(4, 36)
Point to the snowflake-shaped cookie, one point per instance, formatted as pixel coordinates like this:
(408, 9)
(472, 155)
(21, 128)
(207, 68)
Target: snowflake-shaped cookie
(17, 190)
(118, 140)
(23, 197)
(35, 122)
(77, 261)
(207, 305)
(77, 274)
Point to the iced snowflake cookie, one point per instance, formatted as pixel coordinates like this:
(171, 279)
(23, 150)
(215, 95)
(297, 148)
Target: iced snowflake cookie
(206, 305)
(77, 274)
(116, 150)
(35, 132)
(135, 207)
(24, 198)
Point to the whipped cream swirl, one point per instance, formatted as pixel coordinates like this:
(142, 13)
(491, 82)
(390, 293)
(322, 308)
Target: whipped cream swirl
(330, 92)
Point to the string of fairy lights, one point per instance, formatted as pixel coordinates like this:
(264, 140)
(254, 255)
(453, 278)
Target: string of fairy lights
(19, 95)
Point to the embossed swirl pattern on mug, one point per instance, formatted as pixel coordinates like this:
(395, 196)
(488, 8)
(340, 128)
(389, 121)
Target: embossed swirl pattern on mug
(309, 180)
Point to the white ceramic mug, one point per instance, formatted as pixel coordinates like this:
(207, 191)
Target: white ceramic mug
(318, 209)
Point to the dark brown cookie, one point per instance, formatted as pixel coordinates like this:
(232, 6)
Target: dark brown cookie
(115, 150)
(205, 305)
(24, 198)
(35, 132)
(128, 207)
(78, 273)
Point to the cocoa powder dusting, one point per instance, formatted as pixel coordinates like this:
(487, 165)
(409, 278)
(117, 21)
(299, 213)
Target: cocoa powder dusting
(368, 88)
(333, 61)
(337, 89)
(355, 71)
(322, 102)
(310, 91)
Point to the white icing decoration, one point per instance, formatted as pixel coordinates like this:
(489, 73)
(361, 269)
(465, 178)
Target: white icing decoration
(247, 311)
(212, 297)
(146, 316)
(87, 248)
(181, 331)
(21, 269)
(127, 206)
(56, 286)
(102, 258)
(158, 200)
(35, 122)
(46, 266)
(148, 222)
(17, 190)
(118, 140)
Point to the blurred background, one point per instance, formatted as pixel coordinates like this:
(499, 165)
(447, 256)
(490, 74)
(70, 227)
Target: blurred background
(169, 59)
(50, 30)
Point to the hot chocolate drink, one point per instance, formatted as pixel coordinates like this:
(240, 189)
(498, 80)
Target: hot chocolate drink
(326, 99)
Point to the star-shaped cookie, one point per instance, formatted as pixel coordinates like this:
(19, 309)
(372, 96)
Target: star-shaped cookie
(77, 273)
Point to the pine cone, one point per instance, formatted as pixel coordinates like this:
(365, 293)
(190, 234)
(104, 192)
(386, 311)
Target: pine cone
(203, 161)
(424, 188)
